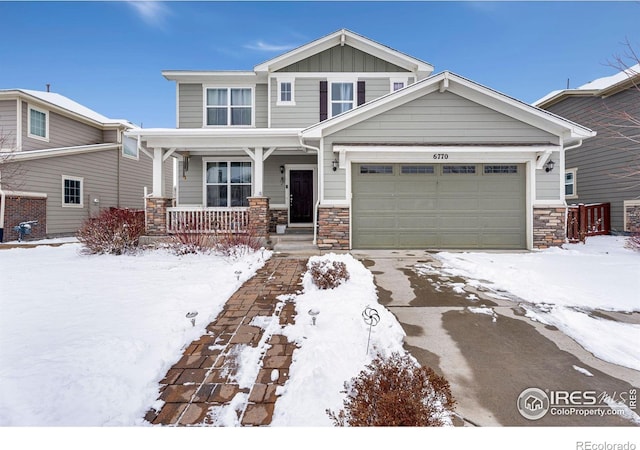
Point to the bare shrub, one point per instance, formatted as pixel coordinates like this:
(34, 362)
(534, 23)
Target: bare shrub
(185, 242)
(114, 231)
(328, 274)
(237, 245)
(633, 242)
(395, 391)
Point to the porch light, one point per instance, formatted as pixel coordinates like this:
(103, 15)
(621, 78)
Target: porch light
(548, 167)
(335, 165)
(281, 169)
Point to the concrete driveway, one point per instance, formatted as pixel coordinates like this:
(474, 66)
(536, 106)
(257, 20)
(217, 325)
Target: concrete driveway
(485, 347)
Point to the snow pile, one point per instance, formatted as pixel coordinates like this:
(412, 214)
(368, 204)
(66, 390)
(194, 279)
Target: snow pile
(85, 340)
(335, 349)
(564, 286)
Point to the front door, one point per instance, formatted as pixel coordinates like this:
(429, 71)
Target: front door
(301, 196)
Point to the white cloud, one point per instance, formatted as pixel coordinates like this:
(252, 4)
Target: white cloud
(152, 12)
(264, 47)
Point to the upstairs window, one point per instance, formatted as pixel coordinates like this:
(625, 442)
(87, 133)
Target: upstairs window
(38, 124)
(397, 83)
(229, 106)
(342, 98)
(570, 190)
(286, 92)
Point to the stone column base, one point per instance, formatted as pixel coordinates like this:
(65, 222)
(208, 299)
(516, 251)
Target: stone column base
(156, 215)
(549, 226)
(259, 217)
(333, 228)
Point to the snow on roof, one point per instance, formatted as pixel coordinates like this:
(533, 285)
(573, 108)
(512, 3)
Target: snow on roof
(72, 106)
(606, 82)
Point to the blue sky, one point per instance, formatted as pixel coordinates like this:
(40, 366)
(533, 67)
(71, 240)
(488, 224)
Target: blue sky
(109, 55)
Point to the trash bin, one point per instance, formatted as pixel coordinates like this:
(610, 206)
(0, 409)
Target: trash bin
(280, 229)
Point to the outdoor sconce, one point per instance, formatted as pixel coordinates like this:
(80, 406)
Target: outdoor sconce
(335, 165)
(548, 167)
(281, 169)
(281, 174)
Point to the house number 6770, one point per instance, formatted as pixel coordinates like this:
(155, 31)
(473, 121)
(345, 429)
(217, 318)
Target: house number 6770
(440, 156)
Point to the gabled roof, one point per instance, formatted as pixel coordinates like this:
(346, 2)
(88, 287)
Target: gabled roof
(64, 104)
(448, 81)
(601, 87)
(347, 37)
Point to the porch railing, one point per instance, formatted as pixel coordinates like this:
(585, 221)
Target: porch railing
(588, 220)
(185, 219)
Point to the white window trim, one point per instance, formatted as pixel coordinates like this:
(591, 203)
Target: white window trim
(574, 171)
(404, 80)
(228, 87)
(291, 102)
(125, 155)
(73, 205)
(331, 82)
(228, 160)
(46, 124)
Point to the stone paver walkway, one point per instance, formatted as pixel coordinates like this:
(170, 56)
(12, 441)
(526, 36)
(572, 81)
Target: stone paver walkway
(202, 386)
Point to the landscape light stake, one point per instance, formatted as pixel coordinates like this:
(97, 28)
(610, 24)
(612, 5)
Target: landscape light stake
(371, 318)
(192, 315)
(238, 273)
(313, 313)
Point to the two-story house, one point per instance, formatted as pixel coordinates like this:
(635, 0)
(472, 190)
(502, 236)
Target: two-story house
(605, 169)
(364, 145)
(61, 162)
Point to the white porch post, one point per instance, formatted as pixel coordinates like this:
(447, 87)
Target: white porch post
(158, 173)
(259, 172)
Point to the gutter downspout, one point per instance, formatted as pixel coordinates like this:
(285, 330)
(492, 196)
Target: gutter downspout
(566, 209)
(2, 203)
(320, 179)
(573, 146)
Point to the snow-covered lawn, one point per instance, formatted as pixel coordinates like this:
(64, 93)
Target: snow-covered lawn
(84, 340)
(565, 286)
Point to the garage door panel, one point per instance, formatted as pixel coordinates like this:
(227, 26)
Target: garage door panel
(438, 210)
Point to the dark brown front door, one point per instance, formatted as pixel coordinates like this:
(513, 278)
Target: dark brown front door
(301, 196)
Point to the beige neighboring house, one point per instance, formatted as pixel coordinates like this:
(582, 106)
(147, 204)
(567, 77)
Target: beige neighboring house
(363, 146)
(62, 163)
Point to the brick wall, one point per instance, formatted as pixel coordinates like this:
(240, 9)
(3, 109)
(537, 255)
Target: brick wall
(333, 228)
(632, 218)
(259, 216)
(549, 227)
(277, 217)
(156, 215)
(21, 209)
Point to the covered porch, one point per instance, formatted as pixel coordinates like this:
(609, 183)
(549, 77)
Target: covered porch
(229, 180)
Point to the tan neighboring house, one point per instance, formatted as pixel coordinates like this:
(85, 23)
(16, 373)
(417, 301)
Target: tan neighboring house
(363, 146)
(62, 163)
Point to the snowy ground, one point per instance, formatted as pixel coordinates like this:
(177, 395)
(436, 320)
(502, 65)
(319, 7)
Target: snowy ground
(84, 340)
(572, 288)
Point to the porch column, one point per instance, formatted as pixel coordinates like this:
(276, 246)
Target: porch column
(259, 172)
(158, 173)
(259, 217)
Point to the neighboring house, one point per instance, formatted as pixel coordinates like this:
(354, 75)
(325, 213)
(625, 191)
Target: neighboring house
(63, 163)
(362, 144)
(605, 169)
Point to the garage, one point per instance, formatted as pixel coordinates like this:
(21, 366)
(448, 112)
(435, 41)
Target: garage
(439, 206)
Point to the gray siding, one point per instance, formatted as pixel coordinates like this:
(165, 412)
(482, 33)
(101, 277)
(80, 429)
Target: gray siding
(190, 185)
(8, 123)
(110, 136)
(342, 59)
(261, 114)
(63, 132)
(604, 160)
(433, 118)
(306, 111)
(190, 107)
(548, 184)
(99, 171)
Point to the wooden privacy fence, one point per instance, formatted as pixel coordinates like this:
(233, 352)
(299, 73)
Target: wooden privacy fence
(588, 220)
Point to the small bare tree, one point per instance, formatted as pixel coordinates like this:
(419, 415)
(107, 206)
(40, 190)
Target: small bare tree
(11, 172)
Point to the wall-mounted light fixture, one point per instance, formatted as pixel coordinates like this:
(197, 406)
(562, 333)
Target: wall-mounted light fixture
(281, 175)
(281, 169)
(548, 167)
(335, 165)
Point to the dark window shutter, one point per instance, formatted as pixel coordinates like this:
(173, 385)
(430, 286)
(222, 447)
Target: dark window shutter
(360, 93)
(324, 100)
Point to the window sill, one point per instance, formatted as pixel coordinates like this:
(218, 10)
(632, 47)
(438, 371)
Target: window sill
(39, 138)
(285, 103)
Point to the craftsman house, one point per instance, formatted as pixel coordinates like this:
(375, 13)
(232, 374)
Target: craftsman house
(605, 169)
(364, 146)
(61, 162)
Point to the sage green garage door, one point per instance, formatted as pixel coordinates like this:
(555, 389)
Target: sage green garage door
(439, 206)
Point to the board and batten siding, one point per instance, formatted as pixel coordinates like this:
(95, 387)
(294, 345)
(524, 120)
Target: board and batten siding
(8, 124)
(63, 132)
(342, 59)
(434, 118)
(604, 160)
